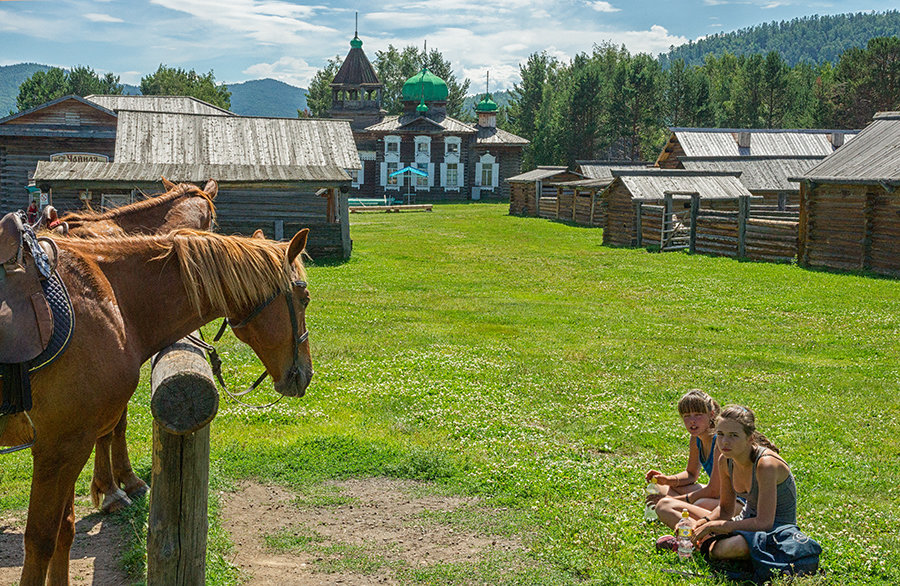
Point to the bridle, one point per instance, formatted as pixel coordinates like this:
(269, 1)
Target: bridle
(298, 339)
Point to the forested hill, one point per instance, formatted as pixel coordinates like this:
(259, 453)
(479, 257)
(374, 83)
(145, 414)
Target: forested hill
(814, 39)
(11, 77)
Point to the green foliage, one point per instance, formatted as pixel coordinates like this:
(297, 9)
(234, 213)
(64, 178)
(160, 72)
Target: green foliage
(811, 39)
(171, 81)
(318, 100)
(44, 86)
(867, 81)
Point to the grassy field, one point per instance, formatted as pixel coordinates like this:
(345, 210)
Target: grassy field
(518, 360)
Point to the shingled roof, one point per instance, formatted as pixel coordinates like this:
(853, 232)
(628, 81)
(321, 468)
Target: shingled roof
(356, 70)
(653, 184)
(175, 104)
(872, 158)
(758, 173)
(229, 148)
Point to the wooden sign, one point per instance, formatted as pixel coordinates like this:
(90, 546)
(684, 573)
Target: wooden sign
(79, 158)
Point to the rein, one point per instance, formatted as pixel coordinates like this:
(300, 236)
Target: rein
(216, 362)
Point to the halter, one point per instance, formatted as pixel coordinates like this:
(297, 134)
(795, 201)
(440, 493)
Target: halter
(216, 362)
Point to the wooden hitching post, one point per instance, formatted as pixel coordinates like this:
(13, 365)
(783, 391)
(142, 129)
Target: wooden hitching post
(743, 214)
(695, 212)
(183, 401)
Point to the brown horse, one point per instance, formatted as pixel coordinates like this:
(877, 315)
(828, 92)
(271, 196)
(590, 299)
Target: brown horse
(132, 297)
(182, 206)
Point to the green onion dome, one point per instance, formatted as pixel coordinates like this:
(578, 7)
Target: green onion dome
(486, 104)
(425, 85)
(356, 43)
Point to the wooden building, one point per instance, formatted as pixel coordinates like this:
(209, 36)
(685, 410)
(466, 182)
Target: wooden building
(527, 189)
(74, 129)
(278, 174)
(850, 203)
(765, 158)
(68, 128)
(462, 161)
(632, 187)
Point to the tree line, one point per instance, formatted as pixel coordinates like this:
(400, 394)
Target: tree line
(44, 86)
(814, 39)
(610, 104)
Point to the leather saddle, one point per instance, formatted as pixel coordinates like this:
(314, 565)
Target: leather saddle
(26, 319)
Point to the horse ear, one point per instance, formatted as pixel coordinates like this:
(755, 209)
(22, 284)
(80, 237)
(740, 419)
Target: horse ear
(258, 233)
(211, 189)
(298, 243)
(168, 185)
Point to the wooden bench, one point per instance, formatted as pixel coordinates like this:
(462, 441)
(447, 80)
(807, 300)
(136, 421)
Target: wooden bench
(423, 207)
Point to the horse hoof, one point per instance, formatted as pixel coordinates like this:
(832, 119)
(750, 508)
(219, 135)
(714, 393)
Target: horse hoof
(115, 502)
(138, 491)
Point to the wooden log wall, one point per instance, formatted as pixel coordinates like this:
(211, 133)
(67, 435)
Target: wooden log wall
(619, 229)
(771, 240)
(565, 204)
(836, 227)
(548, 208)
(590, 208)
(651, 224)
(884, 254)
(851, 227)
(521, 199)
(716, 233)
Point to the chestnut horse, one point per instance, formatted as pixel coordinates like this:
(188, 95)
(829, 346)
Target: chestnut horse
(182, 206)
(132, 297)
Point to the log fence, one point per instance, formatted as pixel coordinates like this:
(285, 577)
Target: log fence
(763, 233)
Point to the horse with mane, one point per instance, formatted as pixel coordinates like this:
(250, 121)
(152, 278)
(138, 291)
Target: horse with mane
(120, 288)
(182, 206)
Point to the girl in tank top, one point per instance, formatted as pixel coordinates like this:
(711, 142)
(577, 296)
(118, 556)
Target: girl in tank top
(682, 491)
(750, 468)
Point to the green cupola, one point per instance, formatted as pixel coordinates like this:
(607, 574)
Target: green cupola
(355, 43)
(487, 104)
(425, 86)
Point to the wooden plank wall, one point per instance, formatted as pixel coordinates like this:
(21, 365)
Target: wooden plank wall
(884, 255)
(19, 158)
(241, 209)
(716, 233)
(521, 199)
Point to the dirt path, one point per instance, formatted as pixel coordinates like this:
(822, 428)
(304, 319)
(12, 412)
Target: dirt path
(358, 532)
(95, 553)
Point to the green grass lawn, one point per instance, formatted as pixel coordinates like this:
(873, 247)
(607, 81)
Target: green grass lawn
(520, 361)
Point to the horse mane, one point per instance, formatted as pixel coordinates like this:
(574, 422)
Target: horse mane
(149, 201)
(218, 272)
(228, 272)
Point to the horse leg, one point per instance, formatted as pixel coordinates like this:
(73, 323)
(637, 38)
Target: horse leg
(52, 495)
(59, 562)
(134, 487)
(104, 485)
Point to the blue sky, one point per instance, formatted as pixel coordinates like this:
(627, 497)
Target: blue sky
(289, 40)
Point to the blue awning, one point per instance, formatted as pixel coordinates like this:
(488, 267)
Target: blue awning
(409, 170)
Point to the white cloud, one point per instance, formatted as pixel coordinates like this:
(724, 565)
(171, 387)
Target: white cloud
(600, 6)
(96, 17)
(287, 69)
(274, 23)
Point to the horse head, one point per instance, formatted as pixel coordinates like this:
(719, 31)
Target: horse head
(276, 330)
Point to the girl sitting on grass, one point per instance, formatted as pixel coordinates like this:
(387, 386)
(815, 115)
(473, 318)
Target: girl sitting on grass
(763, 530)
(698, 412)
